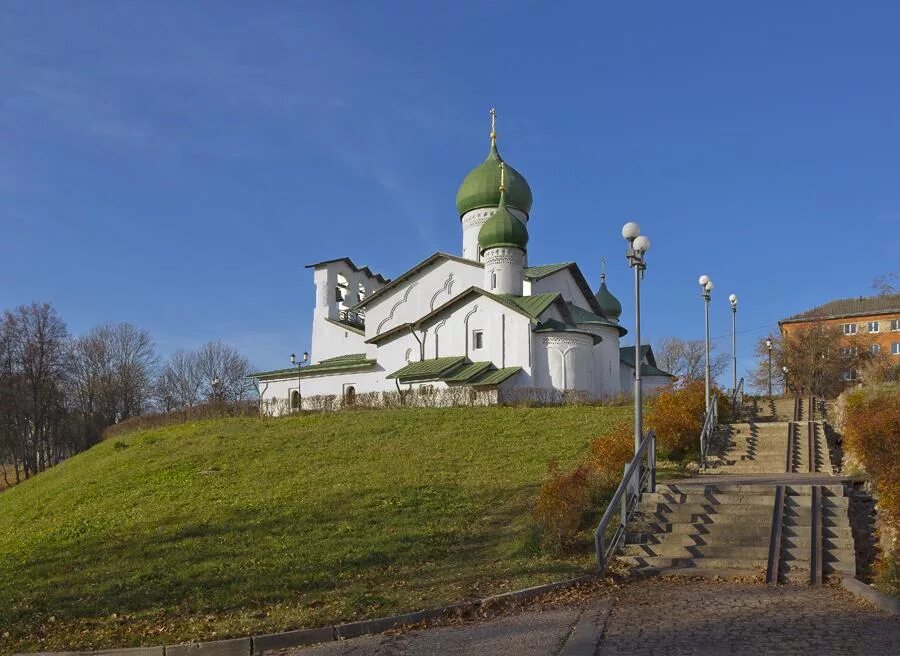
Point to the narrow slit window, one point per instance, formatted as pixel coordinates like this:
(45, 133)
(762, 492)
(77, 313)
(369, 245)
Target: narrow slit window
(477, 339)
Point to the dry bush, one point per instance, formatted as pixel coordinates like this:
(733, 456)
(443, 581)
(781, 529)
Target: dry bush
(195, 413)
(608, 455)
(677, 418)
(871, 428)
(566, 499)
(561, 505)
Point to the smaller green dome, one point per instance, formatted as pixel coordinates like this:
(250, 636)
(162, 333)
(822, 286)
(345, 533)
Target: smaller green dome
(502, 229)
(610, 305)
(480, 188)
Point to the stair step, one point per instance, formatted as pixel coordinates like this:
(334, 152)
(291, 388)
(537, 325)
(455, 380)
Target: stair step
(714, 498)
(701, 529)
(698, 552)
(712, 563)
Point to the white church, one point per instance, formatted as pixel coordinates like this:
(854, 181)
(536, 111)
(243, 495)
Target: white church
(484, 327)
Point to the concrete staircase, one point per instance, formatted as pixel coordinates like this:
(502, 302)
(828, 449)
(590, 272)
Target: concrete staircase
(726, 530)
(760, 510)
(709, 529)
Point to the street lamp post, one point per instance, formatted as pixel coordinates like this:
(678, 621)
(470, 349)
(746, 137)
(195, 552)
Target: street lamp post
(769, 349)
(706, 286)
(638, 245)
(734, 301)
(299, 367)
(784, 371)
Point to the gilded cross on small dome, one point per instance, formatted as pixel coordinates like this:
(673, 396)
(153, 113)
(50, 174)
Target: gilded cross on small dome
(602, 268)
(493, 125)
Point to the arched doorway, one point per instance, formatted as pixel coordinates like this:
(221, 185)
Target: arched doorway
(349, 395)
(295, 400)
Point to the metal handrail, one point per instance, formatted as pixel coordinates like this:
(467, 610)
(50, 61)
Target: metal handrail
(710, 422)
(635, 480)
(737, 398)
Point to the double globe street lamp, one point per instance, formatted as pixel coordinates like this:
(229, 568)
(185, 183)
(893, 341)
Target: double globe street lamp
(734, 303)
(299, 364)
(706, 287)
(638, 245)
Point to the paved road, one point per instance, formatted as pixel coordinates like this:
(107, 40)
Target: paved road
(670, 617)
(704, 618)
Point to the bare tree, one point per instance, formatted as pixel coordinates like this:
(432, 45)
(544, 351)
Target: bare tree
(687, 358)
(221, 364)
(113, 367)
(215, 372)
(888, 283)
(34, 341)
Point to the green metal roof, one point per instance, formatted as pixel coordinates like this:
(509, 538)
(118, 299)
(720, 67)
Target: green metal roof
(580, 315)
(544, 270)
(467, 371)
(339, 364)
(481, 187)
(626, 356)
(365, 270)
(495, 377)
(533, 306)
(502, 229)
(610, 305)
(428, 369)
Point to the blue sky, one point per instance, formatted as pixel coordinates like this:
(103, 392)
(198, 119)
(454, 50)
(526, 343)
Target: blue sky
(175, 165)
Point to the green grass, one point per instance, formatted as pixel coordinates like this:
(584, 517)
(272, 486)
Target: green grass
(226, 527)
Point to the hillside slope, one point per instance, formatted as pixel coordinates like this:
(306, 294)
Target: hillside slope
(224, 527)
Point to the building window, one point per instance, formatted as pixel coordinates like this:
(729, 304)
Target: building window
(849, 350)
(895, 325)
(493, 280)
(873, 326)
(477, 339)
(895, 348)
(350, 395)
(295, 400)
(850, 375)
(849, 328)
(875, 349)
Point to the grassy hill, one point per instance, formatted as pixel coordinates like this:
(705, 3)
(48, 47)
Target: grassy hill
(226, 527)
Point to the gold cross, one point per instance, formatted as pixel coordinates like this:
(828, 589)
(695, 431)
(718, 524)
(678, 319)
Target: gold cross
(493, 125)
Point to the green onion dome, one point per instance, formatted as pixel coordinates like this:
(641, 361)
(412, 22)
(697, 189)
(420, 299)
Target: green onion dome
(481, 187)
(610, 305)
(502, 229)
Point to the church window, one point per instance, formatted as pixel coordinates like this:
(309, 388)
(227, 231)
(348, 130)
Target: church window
(295, 400)
(477, 339)
(350, 395)
(493, 280)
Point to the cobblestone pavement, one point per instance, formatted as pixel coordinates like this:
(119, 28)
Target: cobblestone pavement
(662, 616)
(675, 617)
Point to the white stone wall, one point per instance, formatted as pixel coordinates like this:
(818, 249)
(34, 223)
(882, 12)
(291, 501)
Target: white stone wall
(606, 377)
(649, 384)
(562, 282)
(505, 336)
(563, 361)
(329, 340)
(471, 225)
(421, 294)
(503, 270)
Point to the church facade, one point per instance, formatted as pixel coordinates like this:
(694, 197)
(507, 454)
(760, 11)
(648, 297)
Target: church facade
(483, 327)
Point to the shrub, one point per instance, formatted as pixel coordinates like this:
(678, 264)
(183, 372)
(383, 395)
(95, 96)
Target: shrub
(608, 455)
(566, 500)
(677, 419)
(561, 505)
(870, 419)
